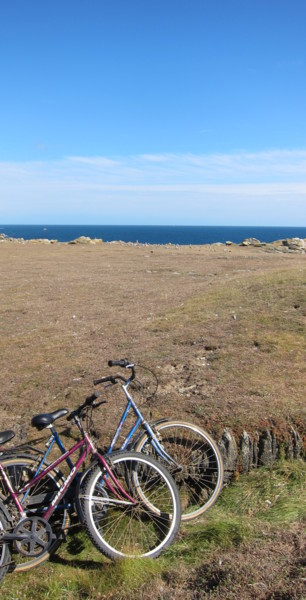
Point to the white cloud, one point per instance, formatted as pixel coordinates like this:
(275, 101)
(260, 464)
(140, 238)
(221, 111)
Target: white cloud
(261, 188)
(97, 161)
(185, 168)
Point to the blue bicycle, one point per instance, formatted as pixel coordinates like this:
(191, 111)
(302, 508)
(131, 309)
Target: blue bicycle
(189, 453)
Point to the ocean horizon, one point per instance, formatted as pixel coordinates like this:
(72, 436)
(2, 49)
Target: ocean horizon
(154, 234)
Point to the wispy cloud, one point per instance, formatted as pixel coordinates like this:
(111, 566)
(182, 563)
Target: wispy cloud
(168, 169)
(158, 185)
(183, 168)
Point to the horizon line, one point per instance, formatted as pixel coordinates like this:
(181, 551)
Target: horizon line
(45, 224)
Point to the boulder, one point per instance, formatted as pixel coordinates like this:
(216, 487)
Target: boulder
(86, 240)
(296, 244)
(251, 242)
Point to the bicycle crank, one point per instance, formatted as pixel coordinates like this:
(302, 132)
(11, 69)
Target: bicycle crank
(32, 536)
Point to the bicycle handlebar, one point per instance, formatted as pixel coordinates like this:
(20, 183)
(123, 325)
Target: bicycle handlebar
(90, 401)
(124, 363)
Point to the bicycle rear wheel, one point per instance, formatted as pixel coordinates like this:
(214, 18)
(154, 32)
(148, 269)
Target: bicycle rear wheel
(200, 476)
(20, 471)
(120, 528)
(5, 555)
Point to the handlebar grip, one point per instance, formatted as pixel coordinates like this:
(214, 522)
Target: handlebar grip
(110, 378)
(124, 362)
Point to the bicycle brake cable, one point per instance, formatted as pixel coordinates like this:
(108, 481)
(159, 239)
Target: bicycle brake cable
(155, 377)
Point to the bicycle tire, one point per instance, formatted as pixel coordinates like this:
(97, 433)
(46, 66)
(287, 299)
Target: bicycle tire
(124, 530)
(20, 470)
(5, 555)
(200, 479)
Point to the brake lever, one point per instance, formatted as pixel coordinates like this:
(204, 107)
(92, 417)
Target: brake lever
(96, 404)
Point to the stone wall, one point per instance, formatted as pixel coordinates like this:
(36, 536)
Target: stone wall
(260, 449)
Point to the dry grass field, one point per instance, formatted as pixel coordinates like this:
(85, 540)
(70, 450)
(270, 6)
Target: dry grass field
(223, 329)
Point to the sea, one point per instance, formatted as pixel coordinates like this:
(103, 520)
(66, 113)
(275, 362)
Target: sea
(154, 234)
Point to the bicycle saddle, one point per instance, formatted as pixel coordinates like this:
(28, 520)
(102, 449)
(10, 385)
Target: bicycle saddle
(46, 419)
(5, 436)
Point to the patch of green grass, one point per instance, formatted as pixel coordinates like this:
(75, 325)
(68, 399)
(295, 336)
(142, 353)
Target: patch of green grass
(269, 303)
(257, 325)
(264, 501)
(201, 539)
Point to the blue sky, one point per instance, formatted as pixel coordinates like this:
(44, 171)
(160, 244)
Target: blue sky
(153, 112)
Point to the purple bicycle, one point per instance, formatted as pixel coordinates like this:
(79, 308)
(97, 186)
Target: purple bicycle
(130, 506)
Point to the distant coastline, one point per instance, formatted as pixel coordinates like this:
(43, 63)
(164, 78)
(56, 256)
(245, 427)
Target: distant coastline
(151, 234)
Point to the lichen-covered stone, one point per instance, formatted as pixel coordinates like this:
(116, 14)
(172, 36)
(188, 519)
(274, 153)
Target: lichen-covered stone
(246, 452)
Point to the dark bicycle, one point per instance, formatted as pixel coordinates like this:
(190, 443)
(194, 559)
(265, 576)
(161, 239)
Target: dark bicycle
(188, 451)
(130, 506)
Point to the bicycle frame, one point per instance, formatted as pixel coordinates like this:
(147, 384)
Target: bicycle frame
(65, 456)
(139, 420)
(89, 448)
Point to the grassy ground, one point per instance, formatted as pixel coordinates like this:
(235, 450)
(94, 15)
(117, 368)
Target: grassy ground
(250, 545)
(248, 335)
(223, 328)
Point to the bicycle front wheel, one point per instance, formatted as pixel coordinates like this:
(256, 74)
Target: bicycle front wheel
(198, 466)
(143, 527)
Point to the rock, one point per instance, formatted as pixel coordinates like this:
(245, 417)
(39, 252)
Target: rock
(292, 245)
(255, 450)
(81, 240)
(5, 238)
(251, 242)
(229, 451)
(86, 240)
(295, 445)
(296, 244)
(41, 241)
(246, 452)
(268, 449)
(263, 449)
